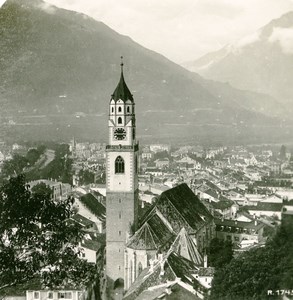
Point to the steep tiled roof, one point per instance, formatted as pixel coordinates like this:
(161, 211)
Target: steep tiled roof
(93, 244)
(171, 267)
(97, 208)
(170, 290)
(186, 247)
(223, 204)
(187, 204)
(82, 220)
(182, 267)
(153, 234)
(206, 271)
(144, 238)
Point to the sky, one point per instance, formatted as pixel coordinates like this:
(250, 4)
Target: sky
(181, 30)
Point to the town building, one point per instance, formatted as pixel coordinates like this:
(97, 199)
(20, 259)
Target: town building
(237, 231)
(60, 190)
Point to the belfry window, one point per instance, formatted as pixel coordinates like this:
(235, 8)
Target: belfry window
(128, 109)
(119, 165)
(119, 109)
(112, 109)
(119, 120)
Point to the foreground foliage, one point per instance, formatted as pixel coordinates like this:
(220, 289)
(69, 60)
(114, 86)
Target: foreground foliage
(254, 273)
(36, 239)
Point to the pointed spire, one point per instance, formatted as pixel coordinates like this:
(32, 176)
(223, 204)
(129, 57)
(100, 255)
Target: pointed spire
(122, 92)
(121, 64)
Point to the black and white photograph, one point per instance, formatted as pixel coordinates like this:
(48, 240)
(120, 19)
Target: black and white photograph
(146, 150)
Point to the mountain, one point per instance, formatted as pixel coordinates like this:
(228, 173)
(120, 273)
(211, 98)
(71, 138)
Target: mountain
(58, 69)
(261, 62)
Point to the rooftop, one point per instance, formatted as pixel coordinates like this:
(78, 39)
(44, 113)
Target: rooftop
(266, 206)
(239, 224)
(186, 203)
(122, 92)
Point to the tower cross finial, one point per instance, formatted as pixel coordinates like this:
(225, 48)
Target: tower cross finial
(121, 64)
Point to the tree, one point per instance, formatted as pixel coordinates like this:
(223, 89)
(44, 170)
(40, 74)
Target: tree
(14, 166)
(220, 252)
(253, 273)
(37, 239)
(86, 177)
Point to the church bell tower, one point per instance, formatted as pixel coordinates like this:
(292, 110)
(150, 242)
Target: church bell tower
(122, 178)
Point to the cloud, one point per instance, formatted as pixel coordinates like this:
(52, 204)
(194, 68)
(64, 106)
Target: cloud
(182, 30)
(283, 36)
(248, 40)
(47, 7)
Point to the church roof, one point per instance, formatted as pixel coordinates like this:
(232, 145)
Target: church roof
(144, 239)
(186, 247)
(169, 268)
(122, 91)
(152, 235)
(187, 205)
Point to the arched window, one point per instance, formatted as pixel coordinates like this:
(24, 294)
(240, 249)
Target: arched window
(131, 271)
(139, 268)
(119, 109)
(119, 120)
(112, 109)
(128, 109)
(119, 165)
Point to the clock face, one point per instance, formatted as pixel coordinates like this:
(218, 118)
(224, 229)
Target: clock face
(119, 134)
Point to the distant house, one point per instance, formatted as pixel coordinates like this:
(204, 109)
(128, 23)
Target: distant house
(188, 163)
(59, 189)
(266, 209)
(147, 154)
(147, 196)
(154, 171)
(227, 208)
(66, 294)
(205, 276)
(221, 163)
(90, 246)
(236, 231)
(159, 148)
(84, 223)
(91, 208)
(162, 163)
(236, 196)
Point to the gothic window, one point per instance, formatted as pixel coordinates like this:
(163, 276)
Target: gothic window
(119, 109)
(139, 268)
(119, 165)
(128, 109)
(112, 109)
(131, 270)
(119, 120)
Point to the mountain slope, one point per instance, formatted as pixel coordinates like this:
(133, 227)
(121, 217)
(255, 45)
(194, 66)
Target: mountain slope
(59, 68)
(262, 62)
